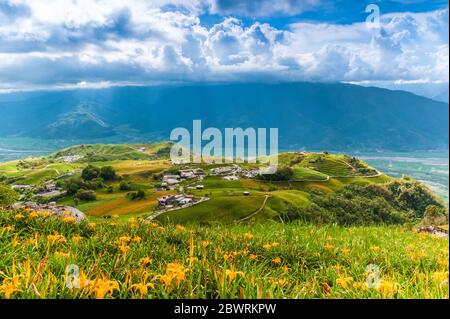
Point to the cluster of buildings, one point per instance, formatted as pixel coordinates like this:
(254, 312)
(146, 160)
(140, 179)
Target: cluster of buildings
(171, 181)
(47, 190)
(170, 201)
(70, 158)
(50, 190)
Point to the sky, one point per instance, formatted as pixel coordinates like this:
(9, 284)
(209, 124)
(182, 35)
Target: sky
(63, 44)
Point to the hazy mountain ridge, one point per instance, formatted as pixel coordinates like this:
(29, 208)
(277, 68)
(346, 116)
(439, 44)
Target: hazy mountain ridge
(308, 115)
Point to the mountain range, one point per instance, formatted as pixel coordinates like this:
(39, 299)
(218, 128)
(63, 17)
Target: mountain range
(332, 116)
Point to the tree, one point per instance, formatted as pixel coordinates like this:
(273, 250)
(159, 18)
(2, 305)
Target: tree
(90, 172)
(108, 173)
(282, 174)
(8, 196)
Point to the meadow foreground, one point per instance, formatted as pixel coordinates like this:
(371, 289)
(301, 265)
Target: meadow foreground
(134, 258)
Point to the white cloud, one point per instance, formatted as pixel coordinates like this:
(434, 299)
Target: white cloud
(63, 42)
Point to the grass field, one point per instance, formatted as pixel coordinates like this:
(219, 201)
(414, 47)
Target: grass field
(329, 165)
(222, 210)
(303, 173)
(132, 259)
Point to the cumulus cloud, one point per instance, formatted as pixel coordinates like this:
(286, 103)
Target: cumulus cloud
(63, 43)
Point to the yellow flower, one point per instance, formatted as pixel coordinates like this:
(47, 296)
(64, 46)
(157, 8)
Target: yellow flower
(56, 238)
(175, 272)
(142, 288)
(69, 219)
(275, 244)
(19, 216)
(248, 236)
(343, 281)
(44, 214)
(92, 225)
(345, 251)
(77, 238)
(285, 269)
(102, 287)
(180, 228)
(8, 228)
(137, 239)
(146, 261)
(166, 279)
(124, 249)
(124, 239)
(360, 286)
(205, 244)
(276, 260)
(387, 288)
(329, 247)
(10, 286)
(33, 215)
(375, 249)
(253, 256)
(267, 246)
(441, 277)
(232, 275)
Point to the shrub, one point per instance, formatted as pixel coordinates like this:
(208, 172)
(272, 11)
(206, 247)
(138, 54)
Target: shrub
(108, 173)
(140, 194)
(8, 196)
(90, 172)
(85, 195)
(435, 215)
(95, 183)
(125, 186)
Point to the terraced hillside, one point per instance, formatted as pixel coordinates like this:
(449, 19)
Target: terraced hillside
(227, 199)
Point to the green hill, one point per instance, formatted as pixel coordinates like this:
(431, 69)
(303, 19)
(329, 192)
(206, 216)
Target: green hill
(112, 152)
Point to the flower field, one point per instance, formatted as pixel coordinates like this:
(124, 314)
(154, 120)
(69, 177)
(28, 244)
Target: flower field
(117, 258)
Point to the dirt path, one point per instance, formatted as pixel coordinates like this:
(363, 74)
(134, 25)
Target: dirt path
(255, 212)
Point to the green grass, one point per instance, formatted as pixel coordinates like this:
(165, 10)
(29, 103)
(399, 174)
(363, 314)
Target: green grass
(293, 197)
(303, 173)
(329, 165)
(224, 210)
(111, 152)
(262, 260)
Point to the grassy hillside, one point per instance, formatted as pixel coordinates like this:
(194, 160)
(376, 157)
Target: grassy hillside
(219, 209)
(134, 259)
(111, 152)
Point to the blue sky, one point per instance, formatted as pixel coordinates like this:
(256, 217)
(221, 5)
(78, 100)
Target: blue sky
(62, 44)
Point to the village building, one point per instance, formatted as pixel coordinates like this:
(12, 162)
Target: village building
(20, 187)
(166, 200)
(171, 179)
(231, 178)
(70, 159)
